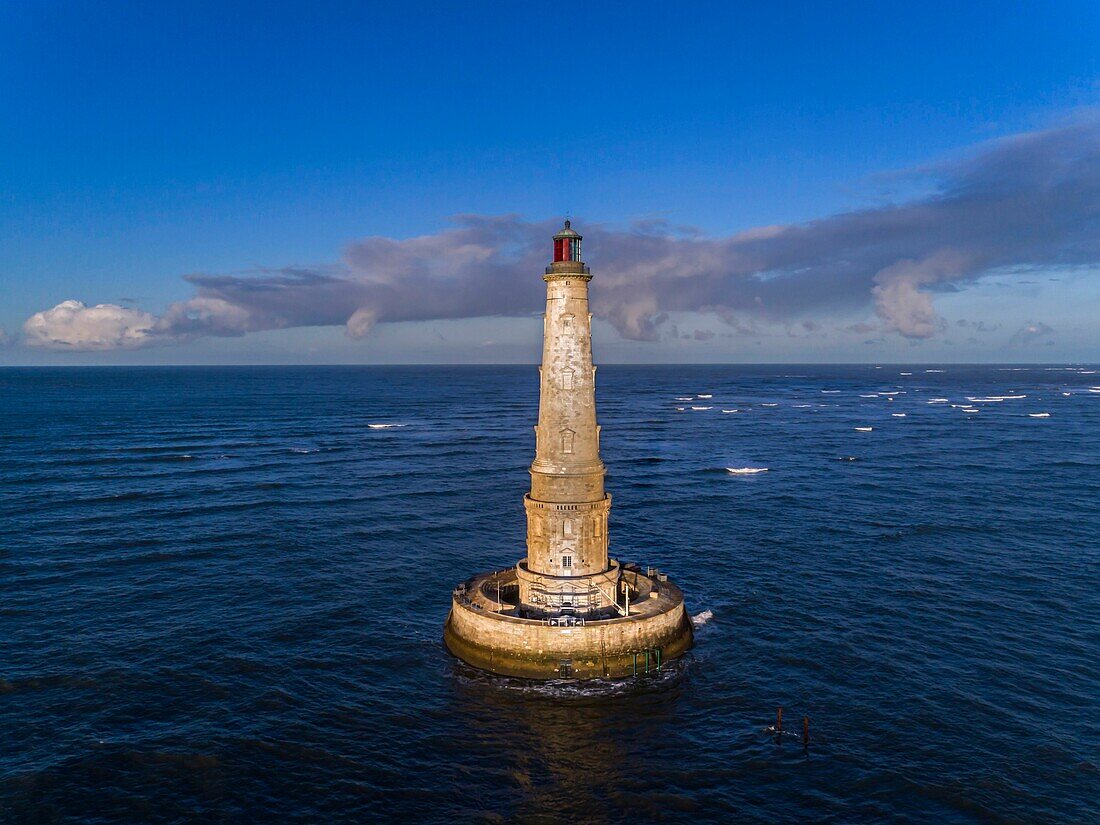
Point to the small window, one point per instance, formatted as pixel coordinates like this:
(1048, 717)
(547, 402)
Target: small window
(567, 527)
(567, 441)
(567, 323)
(567, 562)
(567, 380)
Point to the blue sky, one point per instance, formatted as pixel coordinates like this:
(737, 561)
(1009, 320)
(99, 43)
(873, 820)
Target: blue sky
(240, 142)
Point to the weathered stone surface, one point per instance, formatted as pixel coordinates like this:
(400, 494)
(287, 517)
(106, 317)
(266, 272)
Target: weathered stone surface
(512, 622)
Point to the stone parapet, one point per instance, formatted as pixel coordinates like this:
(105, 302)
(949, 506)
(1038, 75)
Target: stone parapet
(658, 629)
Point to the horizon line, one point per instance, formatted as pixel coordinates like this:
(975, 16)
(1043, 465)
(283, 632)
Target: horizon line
(602, 364)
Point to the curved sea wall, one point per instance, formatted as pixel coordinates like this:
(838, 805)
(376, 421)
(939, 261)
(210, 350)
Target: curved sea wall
(541, 649)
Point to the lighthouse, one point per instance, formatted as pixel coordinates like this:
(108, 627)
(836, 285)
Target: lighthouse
(567, 609)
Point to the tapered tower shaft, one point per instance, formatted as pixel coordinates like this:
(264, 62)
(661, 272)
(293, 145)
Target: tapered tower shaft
(567, 507)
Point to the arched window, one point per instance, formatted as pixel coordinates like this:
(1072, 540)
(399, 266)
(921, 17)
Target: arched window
(567, 437)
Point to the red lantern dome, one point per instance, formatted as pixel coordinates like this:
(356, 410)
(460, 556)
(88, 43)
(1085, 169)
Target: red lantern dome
(567, 245)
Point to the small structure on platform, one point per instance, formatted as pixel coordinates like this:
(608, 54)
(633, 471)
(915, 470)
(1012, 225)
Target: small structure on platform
(568, 610)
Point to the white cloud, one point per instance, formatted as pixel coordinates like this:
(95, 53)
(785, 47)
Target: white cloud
(74, 325)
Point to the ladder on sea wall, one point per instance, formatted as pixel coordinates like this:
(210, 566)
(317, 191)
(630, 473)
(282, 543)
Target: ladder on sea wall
(646, 661)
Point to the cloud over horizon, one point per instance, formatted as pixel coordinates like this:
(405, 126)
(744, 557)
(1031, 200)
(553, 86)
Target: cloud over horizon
(1028, 201)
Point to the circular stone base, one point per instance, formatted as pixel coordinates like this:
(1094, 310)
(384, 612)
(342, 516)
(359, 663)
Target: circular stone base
(489, 635)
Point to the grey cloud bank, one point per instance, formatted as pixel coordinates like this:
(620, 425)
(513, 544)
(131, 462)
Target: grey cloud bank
(1030, 201)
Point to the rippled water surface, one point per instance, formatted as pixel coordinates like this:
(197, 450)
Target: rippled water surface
(222, 591)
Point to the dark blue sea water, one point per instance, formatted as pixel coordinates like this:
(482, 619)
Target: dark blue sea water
(222, 591)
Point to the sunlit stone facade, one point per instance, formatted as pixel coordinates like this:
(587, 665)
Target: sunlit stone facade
(567, 608)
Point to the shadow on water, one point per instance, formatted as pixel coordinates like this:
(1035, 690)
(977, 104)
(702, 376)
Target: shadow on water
(571, 746)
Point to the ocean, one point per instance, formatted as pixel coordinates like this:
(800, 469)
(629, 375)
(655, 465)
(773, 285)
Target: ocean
(222, 592)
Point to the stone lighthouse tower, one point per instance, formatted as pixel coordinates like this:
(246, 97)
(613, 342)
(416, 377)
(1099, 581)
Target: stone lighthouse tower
(567, 609)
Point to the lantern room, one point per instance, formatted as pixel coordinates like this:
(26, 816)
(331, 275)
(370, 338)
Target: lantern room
(567, 245)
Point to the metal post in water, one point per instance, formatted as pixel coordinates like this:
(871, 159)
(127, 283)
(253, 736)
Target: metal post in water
(779, 722)
(806, 732)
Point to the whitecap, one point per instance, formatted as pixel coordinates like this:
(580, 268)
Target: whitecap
(1038, 415)
(830, 392)
(802, 406)
(705, 396)
(384, 426)
(864, 429)
(870, 396)
(685, 398)
(898, 415)
(702, 408)
(935, 370)
(680, 409)
(729, 411)
(905, 373)
(304, 450)
(700, 619)
(745, 471)
(938, 400)
(769, 405)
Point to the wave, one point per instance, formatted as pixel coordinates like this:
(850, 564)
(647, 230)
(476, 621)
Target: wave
(704, 396)
(1038, 415)
(305, 450)
(864, 429)
(830, 392)
(769, 405)
(898, 415)
(745, 471)
(700, 619)
(702, 408)
(385, 426)
(730, 411)
(685, 398)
